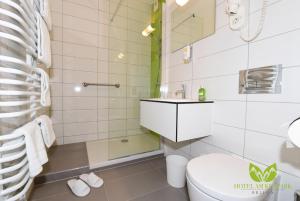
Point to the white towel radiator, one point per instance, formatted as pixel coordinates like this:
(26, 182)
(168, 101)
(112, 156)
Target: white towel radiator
(19, 93)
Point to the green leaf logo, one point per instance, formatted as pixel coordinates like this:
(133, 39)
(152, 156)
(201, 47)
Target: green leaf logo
(270, 173)
(257, 175)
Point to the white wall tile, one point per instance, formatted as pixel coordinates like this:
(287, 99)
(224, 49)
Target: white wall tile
(230, 113)
(227, 138)
(79, 77)
(73, 63)
(180, 73)
(79, 51)
(89, 3)
(80, 138)
(78, 24)
(272, 118)
(223, 39)
(79, 103)
(223, 63)
(56, 103)
(269, 149)
(219, 88)
(75, 116)
(282, 49)
(199, 148)
(80, 11)
(221, 16)
(73, 129)
(80, 38)
(275, 23)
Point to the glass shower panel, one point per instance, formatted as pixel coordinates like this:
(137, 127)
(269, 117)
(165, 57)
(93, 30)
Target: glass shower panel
(129, 63)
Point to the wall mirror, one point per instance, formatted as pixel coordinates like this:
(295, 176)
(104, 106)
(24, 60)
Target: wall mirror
(192, 22)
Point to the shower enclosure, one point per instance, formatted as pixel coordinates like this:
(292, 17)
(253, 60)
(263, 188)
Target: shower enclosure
(126, 61)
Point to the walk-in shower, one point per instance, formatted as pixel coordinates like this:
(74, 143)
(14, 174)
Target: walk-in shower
(126, 62)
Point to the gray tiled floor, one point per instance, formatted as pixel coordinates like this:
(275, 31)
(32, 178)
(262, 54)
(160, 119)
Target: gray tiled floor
(65, 157)
(64, 161)
(144, 181)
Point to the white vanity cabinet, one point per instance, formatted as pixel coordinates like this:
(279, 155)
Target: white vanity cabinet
(177, 120)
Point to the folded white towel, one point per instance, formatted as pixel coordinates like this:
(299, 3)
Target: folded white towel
(35, 148)
(46, 13)
(45, 89)
(48, 134)
(44, 42)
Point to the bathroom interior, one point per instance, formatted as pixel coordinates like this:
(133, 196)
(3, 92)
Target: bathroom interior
(149, 100)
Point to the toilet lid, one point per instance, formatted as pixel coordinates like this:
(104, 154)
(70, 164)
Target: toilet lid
(217, 174)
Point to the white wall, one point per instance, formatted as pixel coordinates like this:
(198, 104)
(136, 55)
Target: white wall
(251, 126)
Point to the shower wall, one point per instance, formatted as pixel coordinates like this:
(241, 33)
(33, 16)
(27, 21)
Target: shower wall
(88, 47)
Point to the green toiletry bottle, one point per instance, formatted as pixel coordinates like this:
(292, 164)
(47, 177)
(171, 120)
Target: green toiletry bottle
(202, 94)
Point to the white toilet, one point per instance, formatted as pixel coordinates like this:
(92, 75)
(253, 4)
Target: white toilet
(212, 178)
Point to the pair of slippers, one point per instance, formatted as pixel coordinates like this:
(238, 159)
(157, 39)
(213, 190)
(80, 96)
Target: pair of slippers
(80, 187)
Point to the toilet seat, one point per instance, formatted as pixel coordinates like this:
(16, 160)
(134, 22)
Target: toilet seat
(216, 174)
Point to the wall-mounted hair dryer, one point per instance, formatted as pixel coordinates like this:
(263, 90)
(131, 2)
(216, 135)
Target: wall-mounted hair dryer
(236, 11)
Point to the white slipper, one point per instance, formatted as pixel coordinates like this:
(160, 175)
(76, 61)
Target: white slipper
(92, 180)
(79, 188)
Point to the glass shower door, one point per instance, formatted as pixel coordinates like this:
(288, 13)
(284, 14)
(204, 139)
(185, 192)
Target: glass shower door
(129, 64)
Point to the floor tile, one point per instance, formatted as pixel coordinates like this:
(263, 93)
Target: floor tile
(165, 194)
(46, 190)
(134, 186)
(117, 173)
(143, 181)
(65, 157)
(158, 162)
(95, 195)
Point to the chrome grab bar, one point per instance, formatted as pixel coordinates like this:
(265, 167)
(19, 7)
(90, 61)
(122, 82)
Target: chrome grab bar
(85, 84)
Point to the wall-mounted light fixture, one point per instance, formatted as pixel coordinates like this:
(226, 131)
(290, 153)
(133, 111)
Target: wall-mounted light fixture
(182, 2)
(149, 29)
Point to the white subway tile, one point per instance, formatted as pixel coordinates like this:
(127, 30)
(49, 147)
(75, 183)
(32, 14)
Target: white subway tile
(285, 52)
(269, 149)
(73, 63)
(79, 103)
(199, 148)
(80, 11)
(79, 77)
(223, 63)
(76, 116)
(78, 24)
(219, 88)
(231, 113)
(73, 129)
(227, 138)
(272, 118)
(277, 23)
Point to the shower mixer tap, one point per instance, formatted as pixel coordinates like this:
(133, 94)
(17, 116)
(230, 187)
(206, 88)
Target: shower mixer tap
(182, 92)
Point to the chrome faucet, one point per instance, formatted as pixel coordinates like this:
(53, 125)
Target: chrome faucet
(182, 91)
